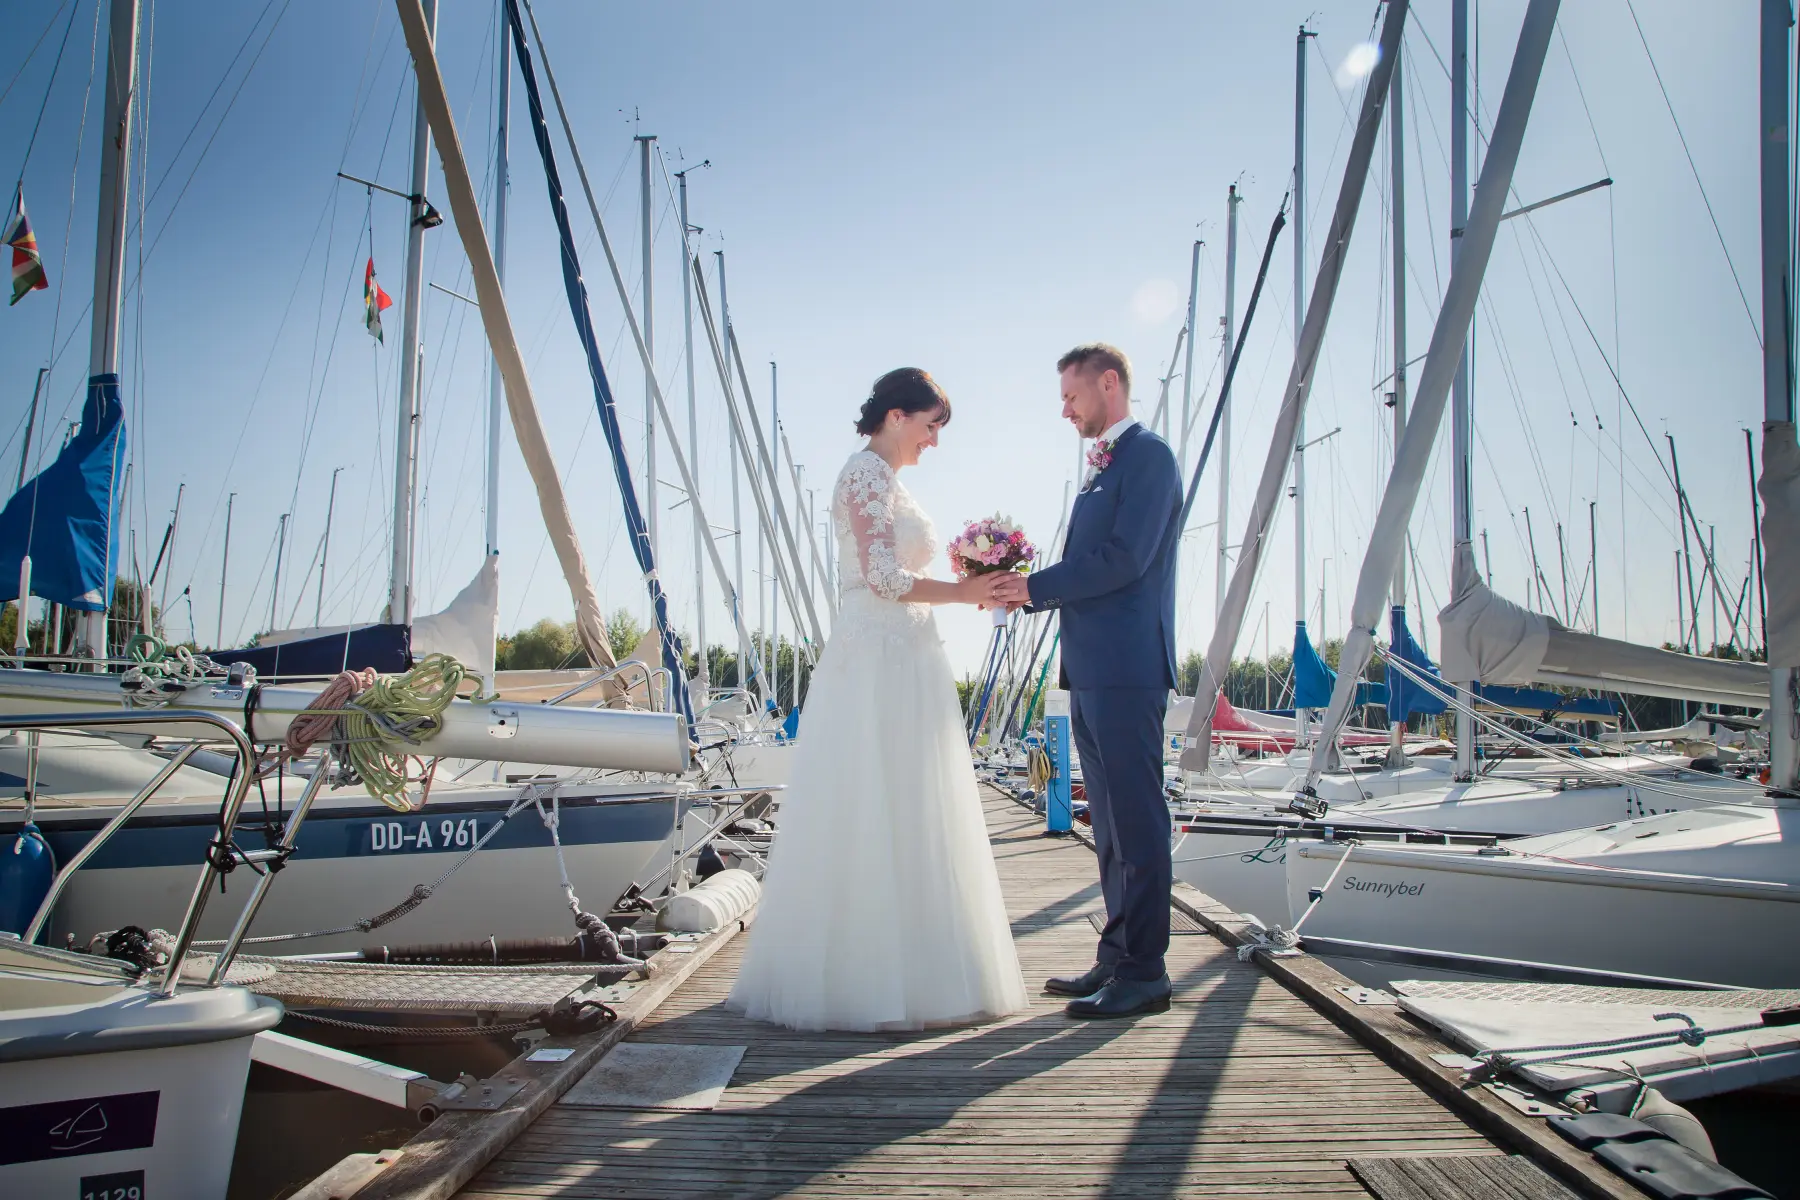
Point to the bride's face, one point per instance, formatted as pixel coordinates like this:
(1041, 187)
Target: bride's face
(911, 434)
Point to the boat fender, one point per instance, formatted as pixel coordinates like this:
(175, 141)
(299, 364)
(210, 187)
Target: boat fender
(711, 903)
(27, 867)
(1674, 1122)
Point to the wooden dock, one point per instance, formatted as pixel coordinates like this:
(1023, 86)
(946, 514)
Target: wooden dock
(1241, 1089)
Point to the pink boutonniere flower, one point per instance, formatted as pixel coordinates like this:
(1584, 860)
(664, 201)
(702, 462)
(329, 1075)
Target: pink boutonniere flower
(1099, 457)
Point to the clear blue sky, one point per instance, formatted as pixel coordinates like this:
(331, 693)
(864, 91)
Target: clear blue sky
(967, 188)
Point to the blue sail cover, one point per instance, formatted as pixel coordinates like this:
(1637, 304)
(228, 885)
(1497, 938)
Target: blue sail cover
(1546, 703)
(63, 517)
(1314, 679)
(1405, 695)
(387, 648)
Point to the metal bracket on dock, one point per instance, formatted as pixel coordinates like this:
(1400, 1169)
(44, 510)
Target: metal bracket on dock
(1368, 995)
(469, 1094)
(1525, 1102)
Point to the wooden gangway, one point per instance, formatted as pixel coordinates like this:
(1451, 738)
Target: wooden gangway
(1241, 1089)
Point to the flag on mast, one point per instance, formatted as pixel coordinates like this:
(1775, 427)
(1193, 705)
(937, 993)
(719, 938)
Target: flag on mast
(374, 300)
(27, 264)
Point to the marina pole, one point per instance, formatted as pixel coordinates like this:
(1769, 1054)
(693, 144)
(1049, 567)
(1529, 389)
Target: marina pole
(1756, 546)
(702, 674)
(648, 308)
(30, 425)
(1778, 354)
(1229, 322)
(325, 547)
(1461, 447)
(496, 382)
(775, 578)
(1396, 756)
(737, 511)
(275, 590)
(1562, 559)
(1187, 371)
(224, 569)
(1594, 565)
(1687, 554)
(168, 546)
(109, 249)
(1298, 490)
(405, 438)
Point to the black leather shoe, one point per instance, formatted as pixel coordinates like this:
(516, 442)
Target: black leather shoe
(1080, 985)
(1123, 998)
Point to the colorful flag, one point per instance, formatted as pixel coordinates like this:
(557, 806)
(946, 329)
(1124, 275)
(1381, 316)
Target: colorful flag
(374, 300)
(27, 265)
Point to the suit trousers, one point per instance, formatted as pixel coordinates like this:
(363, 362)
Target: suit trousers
(1118, 733)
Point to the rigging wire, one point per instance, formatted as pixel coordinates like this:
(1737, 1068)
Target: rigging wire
(1755, 330)
(32, 53)
(48, 89)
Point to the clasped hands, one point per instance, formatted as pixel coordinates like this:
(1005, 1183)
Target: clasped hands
(1010, 590)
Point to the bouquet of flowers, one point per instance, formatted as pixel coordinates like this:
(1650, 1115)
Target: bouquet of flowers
(990, 545)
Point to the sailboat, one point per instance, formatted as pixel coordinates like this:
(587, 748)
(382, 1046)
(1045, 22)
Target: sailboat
(606, 788)
(1695, 897)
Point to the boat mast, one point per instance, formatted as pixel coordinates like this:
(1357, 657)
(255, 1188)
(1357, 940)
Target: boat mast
(275, 590)
(1187, 371)
(775, 576)
(109, 248)
(644, 141)
(1397, 199)
(1777, 312)
(413, 298)
(496, 382)
(1229, 322)
(701, 674)
(325, 547)
(1461, 516)
(224, 569)
(737, 508)
(1299, 487)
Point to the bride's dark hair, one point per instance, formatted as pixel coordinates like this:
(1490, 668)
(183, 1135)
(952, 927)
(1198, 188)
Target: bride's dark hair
(908, 389)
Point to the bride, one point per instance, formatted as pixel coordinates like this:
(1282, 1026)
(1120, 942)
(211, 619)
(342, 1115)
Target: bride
(882, 908)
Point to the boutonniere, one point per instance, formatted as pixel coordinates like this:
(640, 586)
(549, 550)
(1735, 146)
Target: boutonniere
(1099, 457)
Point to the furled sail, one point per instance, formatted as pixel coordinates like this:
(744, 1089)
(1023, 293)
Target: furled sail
(1406, 695)
(63, 516)
(1487, 637)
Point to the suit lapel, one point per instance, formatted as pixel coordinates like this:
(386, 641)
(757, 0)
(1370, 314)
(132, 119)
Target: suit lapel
(1124, 438)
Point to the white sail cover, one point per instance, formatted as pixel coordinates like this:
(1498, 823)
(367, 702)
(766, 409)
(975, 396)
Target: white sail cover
(1489, 639)
(466, 630)
(1780, 487)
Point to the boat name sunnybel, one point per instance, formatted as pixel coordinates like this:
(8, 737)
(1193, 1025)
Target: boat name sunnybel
(1353, 884)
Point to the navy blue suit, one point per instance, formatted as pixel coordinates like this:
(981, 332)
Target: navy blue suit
(1115, 586)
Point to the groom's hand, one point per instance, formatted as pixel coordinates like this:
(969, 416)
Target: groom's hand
(1013, 591)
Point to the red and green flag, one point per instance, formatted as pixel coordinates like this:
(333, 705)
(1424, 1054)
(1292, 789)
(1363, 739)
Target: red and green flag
(374, 300)
(27, 264)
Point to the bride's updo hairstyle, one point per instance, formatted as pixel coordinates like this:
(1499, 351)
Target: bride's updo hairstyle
(908, 389)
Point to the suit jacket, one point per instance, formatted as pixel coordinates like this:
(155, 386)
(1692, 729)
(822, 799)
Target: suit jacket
(1116, 581)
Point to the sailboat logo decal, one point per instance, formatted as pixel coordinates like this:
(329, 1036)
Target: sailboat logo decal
(84, 1129)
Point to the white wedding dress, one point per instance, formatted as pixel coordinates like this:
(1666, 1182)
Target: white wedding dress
(881, 908)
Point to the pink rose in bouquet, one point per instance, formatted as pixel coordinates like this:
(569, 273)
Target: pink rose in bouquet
(988, 546)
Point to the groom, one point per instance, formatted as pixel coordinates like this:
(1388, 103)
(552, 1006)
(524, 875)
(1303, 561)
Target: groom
(1116, 588)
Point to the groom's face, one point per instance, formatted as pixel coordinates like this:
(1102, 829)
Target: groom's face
(1085, 399)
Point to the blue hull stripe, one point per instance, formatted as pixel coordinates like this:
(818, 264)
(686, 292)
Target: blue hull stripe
(180, 841)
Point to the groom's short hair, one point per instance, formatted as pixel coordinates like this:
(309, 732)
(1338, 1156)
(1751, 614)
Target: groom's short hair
(1098, 357)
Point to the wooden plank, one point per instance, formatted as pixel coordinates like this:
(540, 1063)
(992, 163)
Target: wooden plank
(1242, 1089)
(449, 1151)
(1400, 1043)
(1513, 1177)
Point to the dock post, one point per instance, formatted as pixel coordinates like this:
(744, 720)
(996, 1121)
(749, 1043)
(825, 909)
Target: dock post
(1059, 806)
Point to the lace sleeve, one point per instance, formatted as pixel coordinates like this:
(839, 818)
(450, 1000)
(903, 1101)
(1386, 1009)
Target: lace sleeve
(866, 491)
